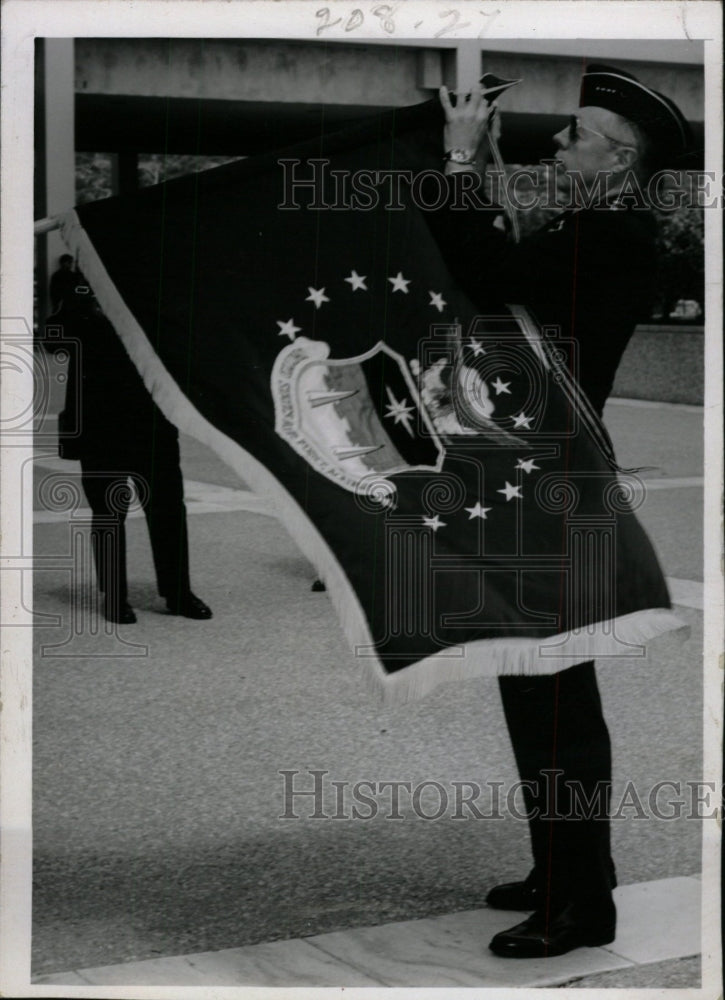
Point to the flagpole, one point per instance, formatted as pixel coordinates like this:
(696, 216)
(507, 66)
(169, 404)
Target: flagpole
(46, 225)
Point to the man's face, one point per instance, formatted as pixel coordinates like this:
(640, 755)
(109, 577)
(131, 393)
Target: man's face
(591, 150)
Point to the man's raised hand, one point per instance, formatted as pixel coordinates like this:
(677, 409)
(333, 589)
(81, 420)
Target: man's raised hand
(467, 123)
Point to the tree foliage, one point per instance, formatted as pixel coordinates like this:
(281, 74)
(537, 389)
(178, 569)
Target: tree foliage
(681, 246)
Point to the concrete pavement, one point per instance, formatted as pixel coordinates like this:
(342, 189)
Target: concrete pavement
(656, 921)
(133, 807)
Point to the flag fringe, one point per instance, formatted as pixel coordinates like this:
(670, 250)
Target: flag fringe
(609, 641)
(481, 658)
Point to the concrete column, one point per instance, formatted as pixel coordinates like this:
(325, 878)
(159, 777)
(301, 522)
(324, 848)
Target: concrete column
(124, 172)
(468, 64)
(55, 150)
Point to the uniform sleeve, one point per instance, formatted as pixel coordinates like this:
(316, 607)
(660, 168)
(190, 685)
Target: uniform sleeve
(469, 238)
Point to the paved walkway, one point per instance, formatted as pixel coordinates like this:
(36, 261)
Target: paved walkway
(211, 498)
(657, 921)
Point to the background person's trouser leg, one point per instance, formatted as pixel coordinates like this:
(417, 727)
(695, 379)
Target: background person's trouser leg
(556, 724)
(161, 487)
(108, 497)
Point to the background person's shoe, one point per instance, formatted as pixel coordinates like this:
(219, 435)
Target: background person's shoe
(122, 614)
(542, 936)
(189, 606)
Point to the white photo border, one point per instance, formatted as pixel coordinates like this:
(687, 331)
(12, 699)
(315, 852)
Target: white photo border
(559, 21)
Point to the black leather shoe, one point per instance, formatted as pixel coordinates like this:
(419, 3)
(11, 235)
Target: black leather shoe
(120, 614)
(542, 937)
(515, 895)
(189, 606)
(526, 895)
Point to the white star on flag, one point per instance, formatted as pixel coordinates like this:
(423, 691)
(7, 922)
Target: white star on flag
(399, 283)
(356, 281)
(437, 300)
(500, 386)
(317, 295)
(399, 411)
(477, 511)
(433, 522)
(527, 465)
(288, 329)
(511, 491)
(475, 346)
(522, 421)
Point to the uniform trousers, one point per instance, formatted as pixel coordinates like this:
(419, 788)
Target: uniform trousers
(563, 754)
(156, 474)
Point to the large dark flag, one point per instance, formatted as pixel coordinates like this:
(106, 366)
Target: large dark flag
(431, 457)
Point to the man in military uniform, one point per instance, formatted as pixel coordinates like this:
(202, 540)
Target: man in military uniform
(589, 272)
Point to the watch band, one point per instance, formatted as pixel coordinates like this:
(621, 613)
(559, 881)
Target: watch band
(463, 156)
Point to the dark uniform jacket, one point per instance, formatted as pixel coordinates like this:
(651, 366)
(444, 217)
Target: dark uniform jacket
(589, 272)
(62, 285)
(108, 410)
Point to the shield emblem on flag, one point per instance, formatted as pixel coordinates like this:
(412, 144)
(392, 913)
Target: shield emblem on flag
(355, 420)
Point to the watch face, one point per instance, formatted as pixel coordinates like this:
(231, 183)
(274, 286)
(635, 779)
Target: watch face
(461, 155)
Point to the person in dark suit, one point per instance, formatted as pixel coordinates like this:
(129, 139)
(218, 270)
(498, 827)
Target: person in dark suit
(116, 430)
(62, 282)
(588, 272)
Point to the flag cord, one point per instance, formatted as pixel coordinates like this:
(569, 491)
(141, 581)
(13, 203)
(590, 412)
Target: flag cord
(508, 207)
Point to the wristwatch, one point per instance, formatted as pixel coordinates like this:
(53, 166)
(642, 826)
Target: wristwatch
(464, 156)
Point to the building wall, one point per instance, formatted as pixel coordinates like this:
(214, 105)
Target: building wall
(300, 72)
(360, 74)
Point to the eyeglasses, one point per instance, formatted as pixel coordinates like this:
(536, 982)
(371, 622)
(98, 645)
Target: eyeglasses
(575, 126)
